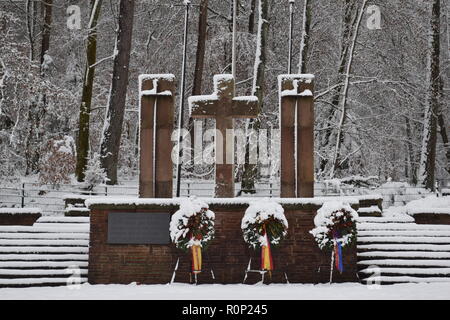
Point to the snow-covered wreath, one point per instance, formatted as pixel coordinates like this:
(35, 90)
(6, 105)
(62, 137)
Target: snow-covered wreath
(192, 224)
(335, 221)
(261, 218)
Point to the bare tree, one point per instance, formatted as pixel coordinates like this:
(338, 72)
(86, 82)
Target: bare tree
(46, 7)
(428, 153)
(251, 170)
(112, 129)
(306, 29)
(343, 105)
(86, 97)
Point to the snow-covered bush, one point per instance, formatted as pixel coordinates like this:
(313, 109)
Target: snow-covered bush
(94, 174)
(335, 221)
(58, 161)
(263, 217)
(192, 224)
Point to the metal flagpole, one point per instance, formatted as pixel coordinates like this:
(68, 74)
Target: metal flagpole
(233, 58)
(183, 85)
(291, 30)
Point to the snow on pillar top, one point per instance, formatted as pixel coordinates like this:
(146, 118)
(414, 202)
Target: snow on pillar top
(155, 84)
(296, 85)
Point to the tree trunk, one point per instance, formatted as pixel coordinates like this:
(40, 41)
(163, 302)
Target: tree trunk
(199, 64)
(251, 18)
(112, 129)
(86, 100)
(428, 152)
(412, 167)
(201, 48)
(304, 45)
(46, 7)
(443, 131)
(30, 9)
(250, 170)
(441, 115)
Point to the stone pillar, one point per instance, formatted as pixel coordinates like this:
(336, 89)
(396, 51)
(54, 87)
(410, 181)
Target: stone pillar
(297, 135)
(156, 127)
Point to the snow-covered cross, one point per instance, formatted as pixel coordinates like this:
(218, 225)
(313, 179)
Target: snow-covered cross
(156, 126)
(297, 135)
(224, 107)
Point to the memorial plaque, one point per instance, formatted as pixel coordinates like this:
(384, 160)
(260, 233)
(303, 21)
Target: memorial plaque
(138, 228)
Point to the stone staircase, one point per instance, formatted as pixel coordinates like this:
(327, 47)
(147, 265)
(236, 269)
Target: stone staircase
(397, 250)
(52, 252)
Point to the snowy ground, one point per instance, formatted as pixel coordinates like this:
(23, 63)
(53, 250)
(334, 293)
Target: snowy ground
(347, 291)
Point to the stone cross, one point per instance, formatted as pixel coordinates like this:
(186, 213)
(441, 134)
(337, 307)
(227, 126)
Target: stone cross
(156, 126)
(224, 107)
(297, 135)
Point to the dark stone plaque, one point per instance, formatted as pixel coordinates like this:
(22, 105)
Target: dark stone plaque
(138, 228)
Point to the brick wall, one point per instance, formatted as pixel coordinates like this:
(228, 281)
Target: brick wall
(22, 219)
(228, 255)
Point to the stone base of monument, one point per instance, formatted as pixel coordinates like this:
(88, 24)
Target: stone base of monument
(129, 242)
(431, 216)
(19, 216)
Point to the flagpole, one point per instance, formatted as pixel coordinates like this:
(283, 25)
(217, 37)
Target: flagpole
(291, 31)
(233, 58)
(332, 266)
(183, 88)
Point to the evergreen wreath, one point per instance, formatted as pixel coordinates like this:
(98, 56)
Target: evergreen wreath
(335, 219)
(192, 224)
(264, 217)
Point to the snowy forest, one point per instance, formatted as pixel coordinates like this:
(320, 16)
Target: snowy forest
(69, 91)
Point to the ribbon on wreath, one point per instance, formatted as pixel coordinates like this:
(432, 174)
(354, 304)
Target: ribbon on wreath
(196, 251)
(266, 254)
(338, 252)
(196, 259)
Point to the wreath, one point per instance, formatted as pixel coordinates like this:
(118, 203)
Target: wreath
(192, 224)
(335, 222)
(264, 218)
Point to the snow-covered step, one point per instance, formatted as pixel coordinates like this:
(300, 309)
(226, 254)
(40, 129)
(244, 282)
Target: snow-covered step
(54, 235)
(402, 251)
(42, 254)
(43, 242)
(44, 249)
(43, 257)
(409, 233)
(37, 281)
(404, 254)
(49, 219)
(406, 247)
(400, 226)
(407, 271)
(405, 219)
(40, 272)
(42, 264)
(61, 225)
(58, 228)
(404, 279)
(403, 239)
(405, 262)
